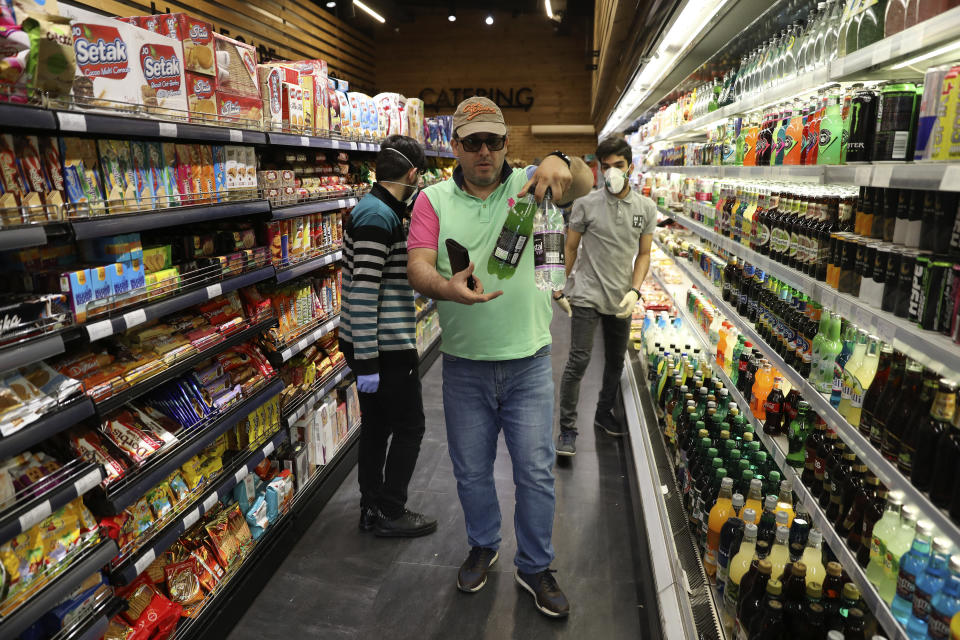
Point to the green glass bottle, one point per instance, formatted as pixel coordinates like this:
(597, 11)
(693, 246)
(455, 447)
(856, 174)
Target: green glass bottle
(871, 23)
(513, 238)
(800, 428)
(831, 132)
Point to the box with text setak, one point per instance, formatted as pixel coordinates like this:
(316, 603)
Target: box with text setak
(244, 110)
(105, 52)
(201, 96)
(160, 62)
(195, 36)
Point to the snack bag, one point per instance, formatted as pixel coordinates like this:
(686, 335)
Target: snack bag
(52, 64)
(16, 45)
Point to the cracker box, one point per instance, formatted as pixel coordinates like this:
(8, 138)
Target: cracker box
(81, 172)
(207, 176)
(317, 70)
(270, 80)
(250, 168)
(76, 284)
(160, 62)
(195, 36)
(119, 280)
(100, 282)
(357, 108)
(414, 113)
(236, 67)
(291, 106)
(235, 172)
(247, 111)
(201, 97)
(142, 176)
(169, 175)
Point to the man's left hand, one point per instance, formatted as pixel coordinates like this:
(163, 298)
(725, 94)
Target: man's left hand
(627, 303)
(553, 172)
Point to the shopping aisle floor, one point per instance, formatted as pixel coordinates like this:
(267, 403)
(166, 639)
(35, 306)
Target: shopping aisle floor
(338, 583)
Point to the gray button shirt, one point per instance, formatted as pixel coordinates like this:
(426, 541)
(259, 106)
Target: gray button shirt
(611, 230)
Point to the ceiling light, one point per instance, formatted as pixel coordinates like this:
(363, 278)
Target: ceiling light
(453, 16)
(549, 9)
(331, 5)
(373, 14)
(489, 19)
(926, 56)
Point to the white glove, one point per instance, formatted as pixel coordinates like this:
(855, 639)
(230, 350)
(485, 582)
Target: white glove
(627, 303)
(564, 304)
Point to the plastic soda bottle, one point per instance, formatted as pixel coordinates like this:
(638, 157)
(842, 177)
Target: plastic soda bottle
(549, 267)
(513, 238)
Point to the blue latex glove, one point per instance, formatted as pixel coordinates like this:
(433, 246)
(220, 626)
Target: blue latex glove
(369, 383)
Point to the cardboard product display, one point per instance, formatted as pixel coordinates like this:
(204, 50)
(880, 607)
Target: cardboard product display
(244, 110)
(161, 66)
(105, 71)
(236, 67)
(201, 96)
(414, 117)
(196, 37)
(313, 76)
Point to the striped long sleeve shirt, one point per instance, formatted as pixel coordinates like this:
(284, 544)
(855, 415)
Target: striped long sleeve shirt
(377, 313)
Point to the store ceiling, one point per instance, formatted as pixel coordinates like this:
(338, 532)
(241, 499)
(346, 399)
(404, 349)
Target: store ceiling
(406, 11)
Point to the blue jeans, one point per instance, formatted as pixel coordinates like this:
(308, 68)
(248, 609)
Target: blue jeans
(479, 399)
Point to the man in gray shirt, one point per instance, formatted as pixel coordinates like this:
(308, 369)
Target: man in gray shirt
(610, 231)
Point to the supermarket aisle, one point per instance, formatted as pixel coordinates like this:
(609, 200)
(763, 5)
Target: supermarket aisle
(337, 583)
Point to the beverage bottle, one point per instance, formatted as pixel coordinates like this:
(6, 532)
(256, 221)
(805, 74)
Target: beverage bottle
(820, 465)
(700, 487)
(846, 352)
(793, 138)
(902, 405)
(947, 449)
(773, 407)
(785, 502)
(929, 437)
(812, 558)
(850, 371)
(946, 604)
(838, 479)
(548, 244)
(797, 435)
(750, 601)
(929, 583)
(854, 628)
(912, 564)
(780, 551)
(871, 27)
(872, 515)
(709, 499)
(767, 528)
(762, 386)
(831, 131)
(739, 565)
(883, 393)
(900, 438)
(513, 238)
(901, 539)
(814, 442)
(731, 535)
(883, 532)
(813, 626)
(768, 621)
(750, 141)
(850, 511)
(823, 329)
(743, 365)
(860, 513)
(795, 593)
(830, 349)
(754, 502)
(791, 406)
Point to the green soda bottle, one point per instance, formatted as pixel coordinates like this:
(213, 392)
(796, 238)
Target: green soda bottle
(513, 238)
(831, 132)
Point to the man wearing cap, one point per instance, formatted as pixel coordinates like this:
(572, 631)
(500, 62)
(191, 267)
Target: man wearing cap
(378, 336)
(612, 230)
(496, 346)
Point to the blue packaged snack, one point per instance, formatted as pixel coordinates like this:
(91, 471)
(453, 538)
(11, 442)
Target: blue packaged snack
(257, 518)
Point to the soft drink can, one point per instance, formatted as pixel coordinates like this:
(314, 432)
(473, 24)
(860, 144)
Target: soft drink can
(951, 284)
(929, 105)
(897, 119)
(934, 292)
(863, 126)
(917, 288)
(891, 278)
(955, 319)
(908, 260)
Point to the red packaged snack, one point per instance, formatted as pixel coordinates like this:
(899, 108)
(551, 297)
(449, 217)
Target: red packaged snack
(183, 584)
(158, 620)
(128, 433)
(89, 446)
(222, 539)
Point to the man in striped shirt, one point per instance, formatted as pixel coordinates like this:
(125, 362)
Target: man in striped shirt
(378, 336)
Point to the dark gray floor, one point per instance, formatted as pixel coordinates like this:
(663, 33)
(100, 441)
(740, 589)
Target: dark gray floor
(337, 583)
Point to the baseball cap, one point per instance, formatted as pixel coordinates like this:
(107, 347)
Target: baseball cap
(478, 115)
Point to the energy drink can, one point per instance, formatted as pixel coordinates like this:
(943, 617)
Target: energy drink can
(917, 288)
(863, 126)
(955, 319)
(849, 281)
(927, 116)
(891, 280)
(935, 280)
(896, 123)
(951, 284)
(942, 144)
(908, 260)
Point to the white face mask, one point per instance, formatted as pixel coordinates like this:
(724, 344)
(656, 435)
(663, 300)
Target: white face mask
(614, 179)
(413, 194)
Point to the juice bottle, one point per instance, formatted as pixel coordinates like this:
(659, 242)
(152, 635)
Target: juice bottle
(762, 385)
(794, 136)
(748, 219)
(912, 565)
(900, 542)
(849, 343)
(750, 142)
(831, 130)
(850, 370)
(754, 501)
(779, 552)
(861, 381)
(721, 510)
(739, 565)
(731, 535)
(813, 558)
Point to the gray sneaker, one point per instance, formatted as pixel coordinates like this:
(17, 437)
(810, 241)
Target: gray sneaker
(567, 443)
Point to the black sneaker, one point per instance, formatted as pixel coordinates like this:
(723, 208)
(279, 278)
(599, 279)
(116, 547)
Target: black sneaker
(409, 525)
(473, 572)
(567, 443)
(547, 595)
(610, 425)
(368, 518)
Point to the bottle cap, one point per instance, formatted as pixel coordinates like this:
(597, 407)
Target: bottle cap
(955, 564)
(814, 590)
(799, 569)
(749, 515)
(783, 534)
(722, 474)
(764, 565)
(755, 485)
(782, 518)
(774, 588)
(942, 546)
(770, 503)
(834, 569)
(909, 514)
(726, 483)
(690, 407)
(925, 528)
(834, 635)
(851, 591)
(787, 486)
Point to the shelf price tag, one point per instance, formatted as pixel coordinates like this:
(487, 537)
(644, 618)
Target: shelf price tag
(133, 318)
(886, 330)
(34, 515)
(210, 501)
(881, 175)
(167, 129)
(240, 474)
(144, 561)
(236, 135)
(72, 121)
(304, 141)
(99, 330)
(881, 52)
(862, 175)
(191, 519)
(951, 178)
(863, 317)
(214, 290)
(87, 482)
(341, 204)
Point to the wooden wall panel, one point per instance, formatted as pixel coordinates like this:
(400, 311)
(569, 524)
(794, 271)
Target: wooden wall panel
(283, 29)
(513, 53)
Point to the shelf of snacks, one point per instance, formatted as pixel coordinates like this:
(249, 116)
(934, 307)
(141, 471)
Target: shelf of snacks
(307, 264)
(298, 406)
(21, 116)
(141, 552)
(933, 349)
(82, 554)
(424, 306)
(884, 469)
(778, 447)
(284, 211)
(300, 341)
(46, 425)
(146, 434)
(35, 498)
(132, 386)
(116, 119)
(85, 616)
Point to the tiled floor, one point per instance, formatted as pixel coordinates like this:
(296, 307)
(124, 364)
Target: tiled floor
(337, 583)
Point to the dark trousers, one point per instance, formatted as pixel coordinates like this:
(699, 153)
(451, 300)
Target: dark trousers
(391, 429)
(583, 324)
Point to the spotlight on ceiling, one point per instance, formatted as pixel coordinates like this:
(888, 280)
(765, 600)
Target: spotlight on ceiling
(331, 4)
(489, 19)
(453, 15)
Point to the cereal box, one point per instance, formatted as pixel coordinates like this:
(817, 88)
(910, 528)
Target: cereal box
(247, 111)
(236, 67)
(201, 98)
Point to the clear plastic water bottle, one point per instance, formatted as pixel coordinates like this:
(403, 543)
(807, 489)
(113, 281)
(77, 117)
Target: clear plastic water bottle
(548, 239)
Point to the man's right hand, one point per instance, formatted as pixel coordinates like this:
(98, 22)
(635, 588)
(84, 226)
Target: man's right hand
(456, 289)
(563, 303)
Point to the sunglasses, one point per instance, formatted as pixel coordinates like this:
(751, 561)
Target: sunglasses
(473, 143)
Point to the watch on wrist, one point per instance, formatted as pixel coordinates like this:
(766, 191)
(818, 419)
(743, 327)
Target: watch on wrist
(561, 155)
